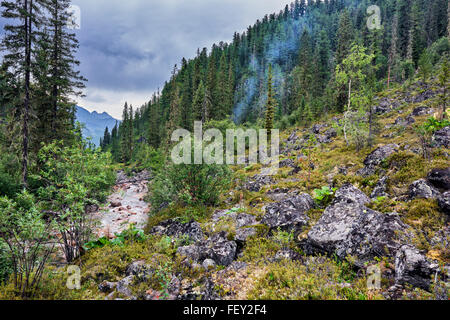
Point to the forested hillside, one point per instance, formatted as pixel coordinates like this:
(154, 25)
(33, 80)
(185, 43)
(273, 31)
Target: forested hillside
(303, 43)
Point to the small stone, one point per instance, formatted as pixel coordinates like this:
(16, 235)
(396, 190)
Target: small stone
(209, 264)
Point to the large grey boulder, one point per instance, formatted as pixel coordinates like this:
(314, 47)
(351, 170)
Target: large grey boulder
(348, 193)
(421, 189)
(376, 158)
(442, 138)
(440, 178)
(176, 229)
(348, 227)
(217, 248)
(123, 286)
(380, 188)
(289, 214)
(444, 202)
(256, 183)
(243, 223)
(412, 267)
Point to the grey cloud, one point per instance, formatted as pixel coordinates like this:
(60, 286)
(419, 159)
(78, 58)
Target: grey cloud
(131, 46)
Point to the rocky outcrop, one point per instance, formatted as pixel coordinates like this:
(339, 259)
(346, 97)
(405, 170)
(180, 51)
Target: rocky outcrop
(404, 122)
(385, 105)
(200, 290)
(256, 183)
(421, 189)
(317, 128)
(287, 163)
(441, 138)
(348, 227)
(349, 194)
(412, 267)
(422, 111)
(440, 178)
(242, 223)
(107, 287)
(376, 158)
(217, 248)
(289, 214)
(328, 136)
(287, 254)
(123, 287)
(176, 229)
(122, 177)
(421, 97)
(444, 202)
(380, 188)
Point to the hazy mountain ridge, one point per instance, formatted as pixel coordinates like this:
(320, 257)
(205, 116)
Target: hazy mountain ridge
(95, 123)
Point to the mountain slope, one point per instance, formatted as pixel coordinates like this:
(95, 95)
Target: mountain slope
(95, 123)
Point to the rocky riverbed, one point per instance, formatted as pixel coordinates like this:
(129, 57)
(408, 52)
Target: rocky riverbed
(125, 206)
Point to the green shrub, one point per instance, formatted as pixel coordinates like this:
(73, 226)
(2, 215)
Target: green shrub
(26, 233)
(317, 279)
(148, 158)
(6, 266)
(131, 234)
(71, 178)
(324, 196)
(189, 185)
(9, 175)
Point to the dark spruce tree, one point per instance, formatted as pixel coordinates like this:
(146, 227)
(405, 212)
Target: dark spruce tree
(24, 17)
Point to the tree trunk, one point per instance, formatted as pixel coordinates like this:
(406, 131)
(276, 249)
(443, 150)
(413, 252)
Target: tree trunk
(55, 72)
(26, 110)
(389, 77)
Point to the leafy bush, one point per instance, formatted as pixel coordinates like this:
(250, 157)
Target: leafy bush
(189, 185)
(132, 234)
(63, 167)
(318, 279)
(26, 234)
(6, 266)
(9, 175)
(71, 178)
(324, 196)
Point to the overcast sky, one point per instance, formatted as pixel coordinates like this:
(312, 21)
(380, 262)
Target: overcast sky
(128, 48)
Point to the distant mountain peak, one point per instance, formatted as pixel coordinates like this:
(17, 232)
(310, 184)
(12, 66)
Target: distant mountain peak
(95, 123)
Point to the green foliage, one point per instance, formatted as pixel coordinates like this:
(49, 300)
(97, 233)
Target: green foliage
(25, 232)
(283, 238)
(71, 178)
(9, 177)
(188, 185)
(354, 73)
(324, 196)
(132, 234)
(317, 279)
(6, 264)
(147, 158)
(73, 175)
(432, 124)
